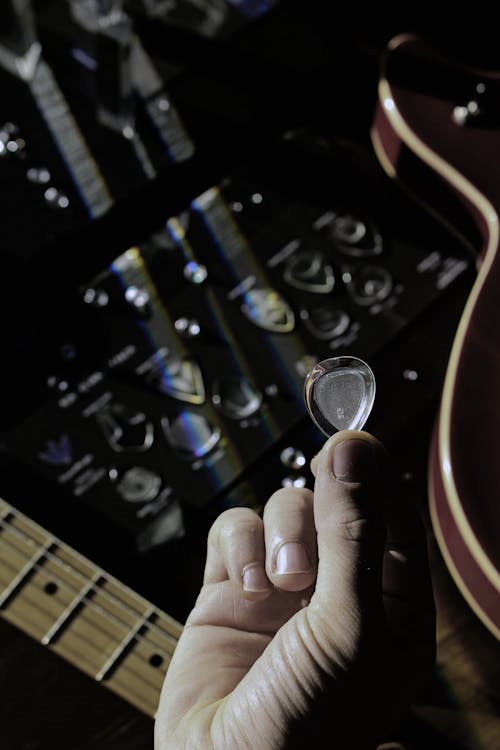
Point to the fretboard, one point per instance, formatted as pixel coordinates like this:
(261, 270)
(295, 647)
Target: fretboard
(73, 607)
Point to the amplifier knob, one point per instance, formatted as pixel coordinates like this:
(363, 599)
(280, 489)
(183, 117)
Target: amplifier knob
(191, 435)
(236, 397)
(299, 481)
(293, 458)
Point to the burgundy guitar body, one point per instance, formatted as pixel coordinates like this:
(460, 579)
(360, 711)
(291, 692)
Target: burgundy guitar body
(437, 130)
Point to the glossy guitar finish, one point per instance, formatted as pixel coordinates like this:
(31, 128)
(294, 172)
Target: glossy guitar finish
(437, 130)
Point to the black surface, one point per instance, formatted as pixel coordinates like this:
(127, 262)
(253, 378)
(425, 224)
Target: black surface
(302, 67)
(405, 337)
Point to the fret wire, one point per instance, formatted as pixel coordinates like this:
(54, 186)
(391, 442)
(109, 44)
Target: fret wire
(31, 565)
(92, 606)
(17, 514)
(82, 639)
(35, 568)
(125, 665)
(5, 510)
(120, 649)
(63, 618)
(137, 675)
(106, 595)
(130, 690)
(138, 638)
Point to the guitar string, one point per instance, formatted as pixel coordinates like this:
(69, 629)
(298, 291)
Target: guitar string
(92, 605)
(36, 527)
(137, 637)
(63, 564)
(72, 589)
(133, 678)
(151, 626)
(81, 638)
(133, 594)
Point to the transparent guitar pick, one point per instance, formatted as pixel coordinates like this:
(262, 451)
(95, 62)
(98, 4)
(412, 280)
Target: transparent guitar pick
(339, 393)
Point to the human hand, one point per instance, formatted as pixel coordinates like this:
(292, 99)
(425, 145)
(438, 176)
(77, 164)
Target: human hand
(323, 643)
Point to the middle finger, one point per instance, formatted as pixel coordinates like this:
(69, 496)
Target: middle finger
(290, 537)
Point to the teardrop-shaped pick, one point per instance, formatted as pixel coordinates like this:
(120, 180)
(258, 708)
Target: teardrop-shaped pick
(339, 394)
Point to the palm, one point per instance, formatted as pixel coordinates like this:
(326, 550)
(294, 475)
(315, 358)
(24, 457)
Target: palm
(225, 635)
(257, 668)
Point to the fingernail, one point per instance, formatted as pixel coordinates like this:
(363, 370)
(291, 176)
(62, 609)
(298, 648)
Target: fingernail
(292, 558)
(353, 460)
(255, 579)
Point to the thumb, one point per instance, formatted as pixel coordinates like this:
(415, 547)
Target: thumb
(350, 525)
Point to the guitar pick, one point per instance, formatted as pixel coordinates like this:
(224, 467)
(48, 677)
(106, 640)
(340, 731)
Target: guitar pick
(235, 397)
(190, 435)
(339, 393)
(310, 271)
(268, 310)
(180, 378)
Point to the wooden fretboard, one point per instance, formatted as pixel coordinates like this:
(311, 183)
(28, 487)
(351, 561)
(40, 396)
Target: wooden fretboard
(86, 616)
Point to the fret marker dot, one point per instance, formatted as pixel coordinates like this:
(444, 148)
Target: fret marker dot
(50, 588)
(156, 660)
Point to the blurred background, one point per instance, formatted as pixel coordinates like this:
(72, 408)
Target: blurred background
(193, 214)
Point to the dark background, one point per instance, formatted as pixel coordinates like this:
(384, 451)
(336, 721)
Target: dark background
(305, 68)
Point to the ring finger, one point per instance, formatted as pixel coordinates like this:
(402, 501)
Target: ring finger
(236, 551)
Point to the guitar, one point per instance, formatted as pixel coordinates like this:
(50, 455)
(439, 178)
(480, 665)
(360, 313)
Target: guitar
(436, 128)
(70, 605)
(124, 643)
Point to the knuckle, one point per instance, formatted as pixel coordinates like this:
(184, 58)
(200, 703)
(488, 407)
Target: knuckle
(361, 529)
(354, 529)
(231, 522)
(228, 520)
(286, 496)
(358, 519)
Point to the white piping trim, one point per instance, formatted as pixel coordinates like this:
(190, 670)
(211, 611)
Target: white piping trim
(451, 175)
(450, 564)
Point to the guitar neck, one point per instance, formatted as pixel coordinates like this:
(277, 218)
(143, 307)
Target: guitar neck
(73, 607)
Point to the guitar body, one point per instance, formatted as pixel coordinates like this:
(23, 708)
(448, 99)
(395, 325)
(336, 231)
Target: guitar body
(437, 130)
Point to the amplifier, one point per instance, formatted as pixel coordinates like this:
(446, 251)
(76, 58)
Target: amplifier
(170, 384)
